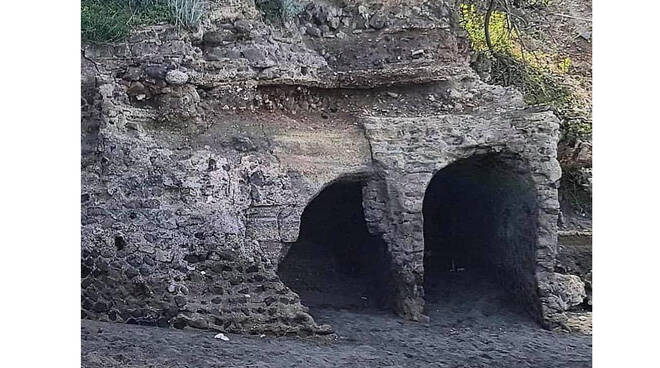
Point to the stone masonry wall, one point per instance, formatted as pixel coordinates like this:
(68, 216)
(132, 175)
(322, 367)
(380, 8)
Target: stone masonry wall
(202, 149)
(410, 151)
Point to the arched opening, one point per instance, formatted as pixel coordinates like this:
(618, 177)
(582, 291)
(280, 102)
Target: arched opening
(336, 263)
(480, 230)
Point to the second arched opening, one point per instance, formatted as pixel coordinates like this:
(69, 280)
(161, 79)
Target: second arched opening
(480, 230)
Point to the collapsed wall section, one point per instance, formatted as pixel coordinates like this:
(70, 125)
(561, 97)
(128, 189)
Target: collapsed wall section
(187, 227)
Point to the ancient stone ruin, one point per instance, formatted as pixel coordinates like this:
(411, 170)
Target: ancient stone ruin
(235, 177)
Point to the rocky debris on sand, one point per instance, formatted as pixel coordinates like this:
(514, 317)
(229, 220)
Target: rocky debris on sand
(417, 53)
(565, 291)
(221, 336)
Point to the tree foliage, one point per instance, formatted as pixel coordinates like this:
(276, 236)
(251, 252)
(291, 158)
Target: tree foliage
(497, 30)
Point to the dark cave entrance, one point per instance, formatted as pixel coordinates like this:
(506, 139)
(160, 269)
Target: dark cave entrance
(336, 263)
(480, 227)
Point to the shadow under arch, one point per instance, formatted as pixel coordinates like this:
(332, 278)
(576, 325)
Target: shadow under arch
(480, 235)
(336, 262)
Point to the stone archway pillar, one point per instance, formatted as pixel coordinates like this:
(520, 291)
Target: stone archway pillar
(406, 152)
(393, 209)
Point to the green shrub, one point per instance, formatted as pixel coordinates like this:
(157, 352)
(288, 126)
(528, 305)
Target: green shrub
(473, 21)
(279, 10)
(112, 20)
(104, 20)
(576, 188)
(536, 74)
(541, 79)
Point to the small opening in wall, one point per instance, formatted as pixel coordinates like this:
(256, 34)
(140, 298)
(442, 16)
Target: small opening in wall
(120, 243)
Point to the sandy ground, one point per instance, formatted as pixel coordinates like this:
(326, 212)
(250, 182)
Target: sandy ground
(473, 326)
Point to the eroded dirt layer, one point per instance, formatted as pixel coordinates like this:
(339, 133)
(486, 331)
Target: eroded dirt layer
(475, 326)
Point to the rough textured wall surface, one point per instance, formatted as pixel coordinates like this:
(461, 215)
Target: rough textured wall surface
(410, 151)
(202, 149)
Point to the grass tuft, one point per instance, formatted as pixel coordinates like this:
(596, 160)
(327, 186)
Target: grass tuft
(112, 20)
(187, 12)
